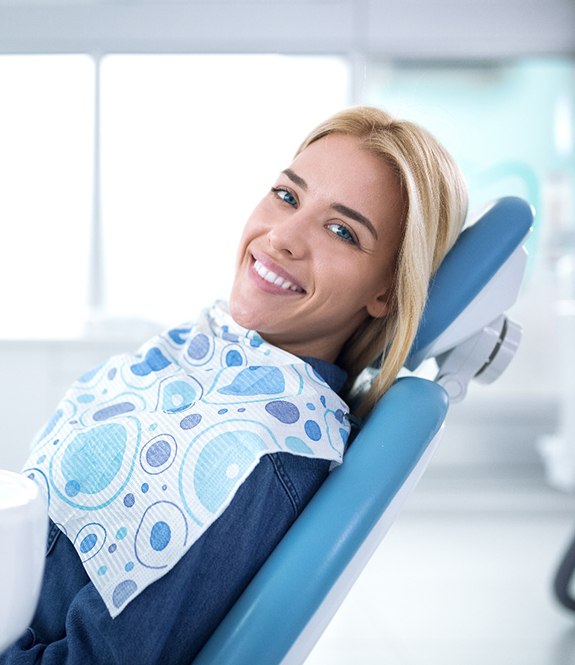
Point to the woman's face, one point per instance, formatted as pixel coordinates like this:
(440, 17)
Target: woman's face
(317, 254)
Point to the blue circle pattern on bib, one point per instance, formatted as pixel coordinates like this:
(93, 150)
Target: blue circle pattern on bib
(147, 450)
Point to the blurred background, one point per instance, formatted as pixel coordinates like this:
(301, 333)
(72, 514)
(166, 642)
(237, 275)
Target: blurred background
(136, 137)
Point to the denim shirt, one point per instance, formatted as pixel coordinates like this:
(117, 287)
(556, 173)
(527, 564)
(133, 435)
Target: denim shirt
(169, 622)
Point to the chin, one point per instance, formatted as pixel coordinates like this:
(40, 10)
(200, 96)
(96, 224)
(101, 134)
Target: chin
(242, 315)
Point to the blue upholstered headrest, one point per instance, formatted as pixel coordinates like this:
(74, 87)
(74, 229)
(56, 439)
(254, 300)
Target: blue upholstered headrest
(478, 254)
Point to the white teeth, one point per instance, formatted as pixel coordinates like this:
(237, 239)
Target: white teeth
(272, 278)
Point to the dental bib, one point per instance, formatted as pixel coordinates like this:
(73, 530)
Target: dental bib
(144, 453)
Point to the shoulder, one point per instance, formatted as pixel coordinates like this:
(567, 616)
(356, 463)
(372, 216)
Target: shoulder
(296, 478)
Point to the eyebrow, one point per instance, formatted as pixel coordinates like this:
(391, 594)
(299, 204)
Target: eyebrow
(338, 207)
(354, 214)
(295, 178)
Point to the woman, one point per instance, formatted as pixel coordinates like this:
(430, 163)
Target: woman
(332, 273)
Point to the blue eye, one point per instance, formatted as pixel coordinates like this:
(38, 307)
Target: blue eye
(285, 196)
(342, 232)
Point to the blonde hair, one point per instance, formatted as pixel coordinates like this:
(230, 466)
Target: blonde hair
(435, 202)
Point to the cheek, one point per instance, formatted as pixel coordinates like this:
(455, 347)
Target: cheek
(362, 287)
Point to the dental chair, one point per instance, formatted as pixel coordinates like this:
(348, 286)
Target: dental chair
(300, 587)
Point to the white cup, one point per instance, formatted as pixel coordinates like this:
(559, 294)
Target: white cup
(23, 532)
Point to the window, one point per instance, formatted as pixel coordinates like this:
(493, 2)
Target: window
(145, 225)
(509, 125)
(187, 145)
(46, 141)
(190, 143)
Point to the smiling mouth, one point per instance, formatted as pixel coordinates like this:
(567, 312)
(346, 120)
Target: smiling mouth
(273, 278)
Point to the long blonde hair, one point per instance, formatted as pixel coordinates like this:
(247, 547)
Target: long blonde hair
(435, 198)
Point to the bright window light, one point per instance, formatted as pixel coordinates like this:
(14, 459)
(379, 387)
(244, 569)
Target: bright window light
(46, 139)
(190, 143)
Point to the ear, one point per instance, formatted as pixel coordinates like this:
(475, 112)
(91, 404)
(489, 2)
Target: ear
(379, 305)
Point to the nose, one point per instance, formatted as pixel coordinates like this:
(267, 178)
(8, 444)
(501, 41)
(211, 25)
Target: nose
(291, 236)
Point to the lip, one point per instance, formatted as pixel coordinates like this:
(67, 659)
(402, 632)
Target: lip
(278, 270)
